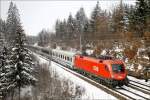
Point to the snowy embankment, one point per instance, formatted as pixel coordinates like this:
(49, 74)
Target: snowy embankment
(91, 92)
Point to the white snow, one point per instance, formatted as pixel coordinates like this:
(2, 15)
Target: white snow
(137, 92)
(41, 60)
(36, 44)
(91, 92)
(103, 52)
(117, 49)
(89, 51)
(139, 80)
(130, 94)
(140, 66)
(146, 57)
(26, 91)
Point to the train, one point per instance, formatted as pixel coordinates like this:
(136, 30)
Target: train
(105, 69)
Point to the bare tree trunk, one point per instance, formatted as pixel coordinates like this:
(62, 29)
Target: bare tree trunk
(12, 95)
(19, 92)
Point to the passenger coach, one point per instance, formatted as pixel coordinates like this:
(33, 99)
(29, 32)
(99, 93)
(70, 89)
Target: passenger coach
(64, 57)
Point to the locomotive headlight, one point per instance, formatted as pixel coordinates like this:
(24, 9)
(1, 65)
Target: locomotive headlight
(112, 75)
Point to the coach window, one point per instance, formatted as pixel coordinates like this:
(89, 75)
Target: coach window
(68, 58)
(65, 58)
(71, 59)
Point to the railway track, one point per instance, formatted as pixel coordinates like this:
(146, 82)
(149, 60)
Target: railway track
(140, 83)
(139, 88)
(133, 91)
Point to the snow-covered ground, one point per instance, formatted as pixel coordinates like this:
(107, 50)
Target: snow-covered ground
(91, 92)
(139, 80)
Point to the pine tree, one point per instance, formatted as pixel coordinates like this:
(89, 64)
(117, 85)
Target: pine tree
(70, 27)
(140, 14)
(2, 32)
(148, 15)
(118, 21)
(21, 70)
(98, 23)
(131, 18)
(57, 28)
(81, 20)
(63, 29)
(11, 22)
(95, 14)
(4, 68)
(2, 26)
(16, 72)
(43, 37)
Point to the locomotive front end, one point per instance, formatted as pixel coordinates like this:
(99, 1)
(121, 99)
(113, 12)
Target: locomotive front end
(119, 73)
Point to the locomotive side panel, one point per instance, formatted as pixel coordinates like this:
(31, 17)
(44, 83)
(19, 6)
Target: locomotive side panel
(92, 66)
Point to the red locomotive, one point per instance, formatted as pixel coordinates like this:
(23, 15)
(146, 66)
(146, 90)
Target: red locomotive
(106, 68)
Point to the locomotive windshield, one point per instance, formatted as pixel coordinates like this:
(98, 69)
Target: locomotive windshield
(118, 68)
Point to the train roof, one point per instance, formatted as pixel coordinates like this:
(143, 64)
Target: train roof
(67, 53)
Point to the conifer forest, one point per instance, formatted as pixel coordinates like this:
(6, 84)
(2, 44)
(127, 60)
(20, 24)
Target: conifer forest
(119, 34)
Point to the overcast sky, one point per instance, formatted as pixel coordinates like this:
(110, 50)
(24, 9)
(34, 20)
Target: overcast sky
(37, 14)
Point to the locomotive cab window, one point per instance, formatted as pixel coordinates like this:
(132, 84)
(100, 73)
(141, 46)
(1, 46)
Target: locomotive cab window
(106, 68)
(118, 68)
